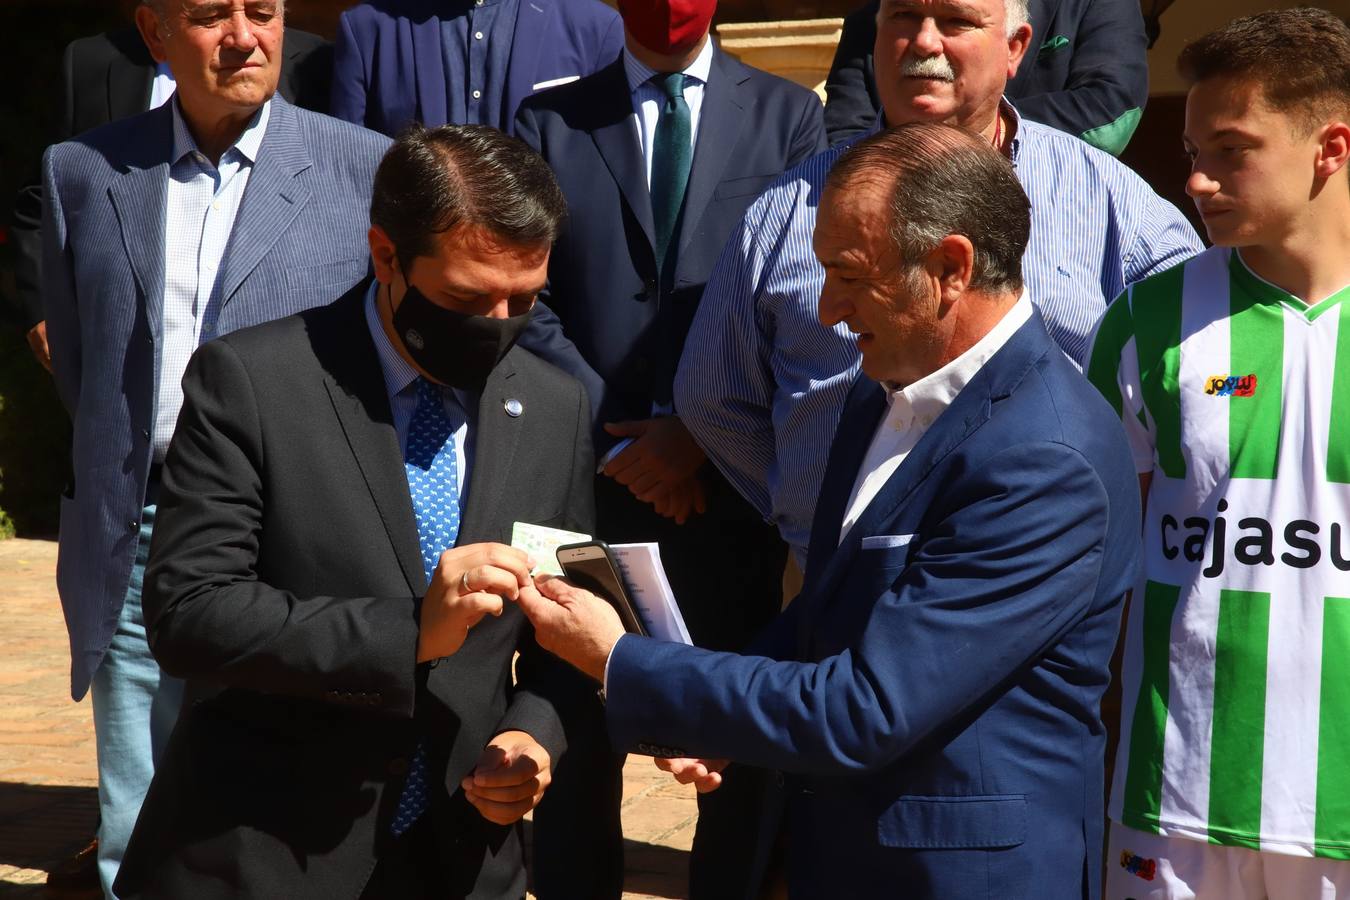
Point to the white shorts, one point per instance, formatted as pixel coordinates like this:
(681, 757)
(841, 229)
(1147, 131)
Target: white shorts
(1141, 866)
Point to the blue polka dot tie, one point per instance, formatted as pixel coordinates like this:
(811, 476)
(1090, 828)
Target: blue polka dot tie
(433, 484)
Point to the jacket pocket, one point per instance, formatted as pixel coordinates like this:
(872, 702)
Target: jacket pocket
(954, 823)
(748, 185)
(338, 273)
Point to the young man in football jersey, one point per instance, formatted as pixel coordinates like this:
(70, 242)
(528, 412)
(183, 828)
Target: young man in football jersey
(1231, 373)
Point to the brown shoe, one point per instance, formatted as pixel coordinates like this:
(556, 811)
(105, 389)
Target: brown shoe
(79, 873)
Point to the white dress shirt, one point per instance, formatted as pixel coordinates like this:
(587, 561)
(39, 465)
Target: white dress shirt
(199, 215)
(647, 102)
(162, 88)
(912, 410)
(648, 99)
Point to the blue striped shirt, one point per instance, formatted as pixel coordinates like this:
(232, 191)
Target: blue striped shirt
(762, 383)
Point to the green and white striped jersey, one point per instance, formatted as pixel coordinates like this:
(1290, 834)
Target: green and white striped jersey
(1236, 683)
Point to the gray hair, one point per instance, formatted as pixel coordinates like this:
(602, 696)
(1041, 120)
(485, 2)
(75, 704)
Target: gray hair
(159, 7)
(1015, 14)
(945, 180)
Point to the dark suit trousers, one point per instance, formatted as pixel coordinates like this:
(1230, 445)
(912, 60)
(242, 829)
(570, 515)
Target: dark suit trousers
(410, 867)
(725, 568)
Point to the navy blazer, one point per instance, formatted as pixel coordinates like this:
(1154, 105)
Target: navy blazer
(299, 240)
(1086, 71)
(603, 282)
(934, 692)
(389, 67)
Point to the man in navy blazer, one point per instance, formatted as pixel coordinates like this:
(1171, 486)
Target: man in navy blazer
(626, 291)
(439, 62)
(223, 208)
(932, 697)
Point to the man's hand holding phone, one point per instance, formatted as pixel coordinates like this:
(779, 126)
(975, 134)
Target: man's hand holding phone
(573, 624)
(469, 582)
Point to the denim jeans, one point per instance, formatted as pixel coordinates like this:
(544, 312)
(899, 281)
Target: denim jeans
(135, 707)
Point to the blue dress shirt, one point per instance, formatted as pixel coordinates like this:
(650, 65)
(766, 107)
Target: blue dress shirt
(202, 200)
(476, 43)
(761, 383)
(400, 384)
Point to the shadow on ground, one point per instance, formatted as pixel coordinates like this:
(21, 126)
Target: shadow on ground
(41, 825)
(655, 870)
(650, 870)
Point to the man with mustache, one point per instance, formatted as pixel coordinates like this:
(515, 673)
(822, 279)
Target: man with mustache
(1086, 74)
(761, 382)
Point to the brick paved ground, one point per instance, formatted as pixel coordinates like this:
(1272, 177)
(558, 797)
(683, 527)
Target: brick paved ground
(47, 776)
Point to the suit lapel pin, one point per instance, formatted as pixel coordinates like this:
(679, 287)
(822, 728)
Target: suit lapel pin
(514, 407)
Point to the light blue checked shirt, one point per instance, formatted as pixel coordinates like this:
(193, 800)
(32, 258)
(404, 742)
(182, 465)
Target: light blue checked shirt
(199, 212)
(762, 383)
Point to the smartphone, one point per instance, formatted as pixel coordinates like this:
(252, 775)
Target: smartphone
(590, 565)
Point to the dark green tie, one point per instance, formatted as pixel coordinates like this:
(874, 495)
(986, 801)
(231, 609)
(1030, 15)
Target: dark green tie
(672, 152)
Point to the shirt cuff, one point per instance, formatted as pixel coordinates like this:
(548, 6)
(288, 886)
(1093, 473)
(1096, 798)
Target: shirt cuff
(613, 452)
(604, 684)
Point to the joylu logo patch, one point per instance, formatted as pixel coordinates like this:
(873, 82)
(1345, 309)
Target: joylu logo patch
(1231, 385)
(1146, 869)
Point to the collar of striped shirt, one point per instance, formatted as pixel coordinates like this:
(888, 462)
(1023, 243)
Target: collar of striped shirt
(1005, 108)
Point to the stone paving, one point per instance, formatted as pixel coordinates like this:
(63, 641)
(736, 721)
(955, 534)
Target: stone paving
(48, 784)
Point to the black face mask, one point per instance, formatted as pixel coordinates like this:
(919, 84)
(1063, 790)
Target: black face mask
(455, 348)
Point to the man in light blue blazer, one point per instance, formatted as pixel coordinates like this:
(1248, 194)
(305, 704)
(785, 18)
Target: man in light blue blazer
(223, 208)
(932, 696)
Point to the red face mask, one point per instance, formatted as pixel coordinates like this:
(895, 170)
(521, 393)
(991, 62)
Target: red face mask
(667, 27)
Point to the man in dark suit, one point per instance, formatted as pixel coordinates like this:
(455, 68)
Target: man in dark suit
(110, 76)
(1086, 72)
(932, 696)
(334, 510)
(438, 61)
(222, 208)
(655, 181)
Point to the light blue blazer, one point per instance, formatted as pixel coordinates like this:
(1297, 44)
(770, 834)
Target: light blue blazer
(299, 241)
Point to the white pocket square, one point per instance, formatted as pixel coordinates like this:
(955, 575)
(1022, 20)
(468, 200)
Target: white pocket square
(886, 541)
(554, 82)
